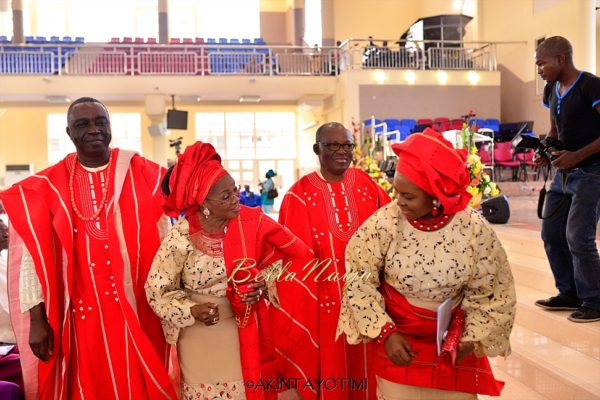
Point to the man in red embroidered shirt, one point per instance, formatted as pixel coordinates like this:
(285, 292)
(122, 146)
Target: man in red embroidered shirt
(85, 233)
(324, 209)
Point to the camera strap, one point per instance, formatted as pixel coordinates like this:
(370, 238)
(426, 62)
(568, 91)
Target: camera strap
(542, 197)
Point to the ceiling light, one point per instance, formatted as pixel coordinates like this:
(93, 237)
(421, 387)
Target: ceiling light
(380, 76)
(249, 99)
(410, 77)
(58, 99)
(473, 77)
(442, 77)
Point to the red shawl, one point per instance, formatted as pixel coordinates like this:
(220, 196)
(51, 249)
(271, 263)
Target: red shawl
(271, 334)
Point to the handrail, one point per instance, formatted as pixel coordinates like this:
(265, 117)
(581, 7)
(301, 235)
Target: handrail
(247, 59)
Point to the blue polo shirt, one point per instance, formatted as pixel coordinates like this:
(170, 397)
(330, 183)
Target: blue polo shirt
(577, 121)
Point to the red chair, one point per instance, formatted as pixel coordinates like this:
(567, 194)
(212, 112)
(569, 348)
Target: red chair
(456, 125)
(174, 41)
(503, 158)
(151, 40)
(441, 119)
(526, 160)
(485, 155)
(424, 121)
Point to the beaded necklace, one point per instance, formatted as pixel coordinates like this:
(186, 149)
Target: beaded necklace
(209, 243)
(433, 224)
(104, 192)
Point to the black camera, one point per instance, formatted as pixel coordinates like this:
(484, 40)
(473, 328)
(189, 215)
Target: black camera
(544, 147)
(176, 143)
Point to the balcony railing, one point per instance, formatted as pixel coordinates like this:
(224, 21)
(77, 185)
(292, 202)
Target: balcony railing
(200, 59)
(425, 54)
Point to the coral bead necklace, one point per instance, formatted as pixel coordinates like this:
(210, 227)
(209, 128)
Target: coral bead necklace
(104, 192)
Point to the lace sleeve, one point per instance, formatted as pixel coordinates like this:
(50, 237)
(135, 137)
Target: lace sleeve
(164, 288)
(30, 288)
(362, 312)
(489, 297)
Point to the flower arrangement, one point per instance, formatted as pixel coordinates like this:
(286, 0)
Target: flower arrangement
(481, 184)
(367, 162)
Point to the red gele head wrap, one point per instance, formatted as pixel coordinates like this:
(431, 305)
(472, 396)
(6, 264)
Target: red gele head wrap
(196, 171)
(430, 162)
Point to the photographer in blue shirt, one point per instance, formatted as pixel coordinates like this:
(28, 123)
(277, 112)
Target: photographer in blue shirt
(572, 205)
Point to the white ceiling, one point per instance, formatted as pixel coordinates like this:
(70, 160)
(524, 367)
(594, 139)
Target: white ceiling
(187, 88)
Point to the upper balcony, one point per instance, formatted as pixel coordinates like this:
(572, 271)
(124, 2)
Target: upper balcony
(192, 58)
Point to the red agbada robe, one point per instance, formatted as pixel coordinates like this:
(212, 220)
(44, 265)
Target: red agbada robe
(107, 341)
(325, 215)
(272, 344)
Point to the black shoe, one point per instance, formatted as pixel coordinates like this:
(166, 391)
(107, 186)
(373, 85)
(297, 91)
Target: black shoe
(558, 303)
(585, 314)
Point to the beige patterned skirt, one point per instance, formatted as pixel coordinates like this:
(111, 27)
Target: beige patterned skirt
(387, 390)
(210, 356)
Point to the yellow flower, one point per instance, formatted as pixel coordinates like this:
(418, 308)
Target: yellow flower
(472, 159)
(472, 190)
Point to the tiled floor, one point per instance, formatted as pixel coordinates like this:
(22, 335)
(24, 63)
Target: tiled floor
(552, 357)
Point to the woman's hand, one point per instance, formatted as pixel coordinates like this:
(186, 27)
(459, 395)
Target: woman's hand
(259, 289)
(208, 313)
(464, 349)
(398, 349)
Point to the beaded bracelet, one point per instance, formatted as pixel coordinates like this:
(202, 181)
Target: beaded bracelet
(386, 331)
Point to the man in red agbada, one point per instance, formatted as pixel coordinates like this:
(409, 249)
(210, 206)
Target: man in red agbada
(324, 209)
(83, 235)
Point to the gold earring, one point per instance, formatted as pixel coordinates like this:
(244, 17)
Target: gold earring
(435, 210)
(206, 213)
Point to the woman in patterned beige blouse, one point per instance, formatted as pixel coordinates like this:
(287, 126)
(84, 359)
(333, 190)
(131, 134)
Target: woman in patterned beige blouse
(203, 285)
(421, 250)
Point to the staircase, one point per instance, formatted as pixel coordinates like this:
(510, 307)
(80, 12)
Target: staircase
(552, 358)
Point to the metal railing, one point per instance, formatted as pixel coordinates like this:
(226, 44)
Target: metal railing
(27, 62)
(96, 63)
(426, 54)
(202, 59)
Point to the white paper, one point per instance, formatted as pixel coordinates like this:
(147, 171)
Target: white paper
(6, 348)
(444, 315)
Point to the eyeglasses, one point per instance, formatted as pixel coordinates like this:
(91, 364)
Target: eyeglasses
(226, 198)
(336, 146)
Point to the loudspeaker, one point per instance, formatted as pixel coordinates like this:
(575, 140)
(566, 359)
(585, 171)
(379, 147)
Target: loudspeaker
(157, 129)
(496, 209)
(177, 119)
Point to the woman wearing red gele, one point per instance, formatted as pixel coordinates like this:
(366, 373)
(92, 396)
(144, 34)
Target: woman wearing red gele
(423, 249)
(204, 283)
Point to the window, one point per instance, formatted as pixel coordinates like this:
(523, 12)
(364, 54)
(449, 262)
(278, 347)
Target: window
(249, 136)
(240, 135)
(126, 131)
(274, 132)
(211, 129)
(313, 30)
(214, 19)
(59, 143)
